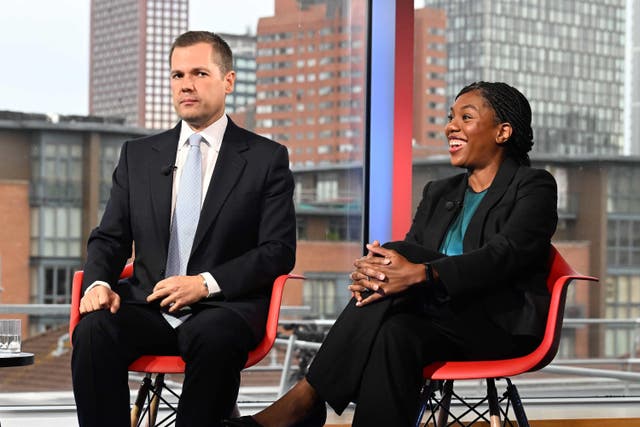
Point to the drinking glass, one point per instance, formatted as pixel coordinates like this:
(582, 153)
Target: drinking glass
(10, 335)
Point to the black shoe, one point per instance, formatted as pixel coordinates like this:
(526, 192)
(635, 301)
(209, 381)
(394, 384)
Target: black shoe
(245, 421)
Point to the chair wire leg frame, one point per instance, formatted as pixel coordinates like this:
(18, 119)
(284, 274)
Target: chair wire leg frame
(439, 408)
(148, 402)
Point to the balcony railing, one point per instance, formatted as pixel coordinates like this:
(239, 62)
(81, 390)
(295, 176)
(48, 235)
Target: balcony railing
(313, 202)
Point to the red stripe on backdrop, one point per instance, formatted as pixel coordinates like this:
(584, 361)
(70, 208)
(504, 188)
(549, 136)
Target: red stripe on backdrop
(403, 121)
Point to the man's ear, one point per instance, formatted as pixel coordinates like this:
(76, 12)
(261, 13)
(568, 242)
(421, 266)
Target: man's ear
(504, 133)
(229, 81)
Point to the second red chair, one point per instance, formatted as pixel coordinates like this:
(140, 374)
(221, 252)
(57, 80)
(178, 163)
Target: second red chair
(560, 276)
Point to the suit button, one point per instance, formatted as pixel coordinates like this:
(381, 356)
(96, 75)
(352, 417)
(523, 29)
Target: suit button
(162, 272)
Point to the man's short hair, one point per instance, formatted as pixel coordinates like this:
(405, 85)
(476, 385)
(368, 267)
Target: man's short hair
(222, 52)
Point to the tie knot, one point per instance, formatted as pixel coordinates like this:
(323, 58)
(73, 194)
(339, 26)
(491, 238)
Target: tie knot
(195, 139)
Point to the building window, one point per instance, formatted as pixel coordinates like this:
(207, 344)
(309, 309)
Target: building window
(327, 187)
(326, 293)
(51, 284)
(57, 169)
(622, 302)
(324, 149)
(344, 229)
(622, 197)
(623, 242)
(301, 226)
(56, 232)
(57, 284)
(109, 155)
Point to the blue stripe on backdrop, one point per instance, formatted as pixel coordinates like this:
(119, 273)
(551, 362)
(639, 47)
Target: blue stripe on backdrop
(380, 170)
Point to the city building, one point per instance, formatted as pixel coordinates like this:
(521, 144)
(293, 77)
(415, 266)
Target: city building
(243, 96)
(314, 103)
(632, 107)
(55, 178)
(566, 56)
(430, 106)
(311, 79)
(129, 71)
(241, 103)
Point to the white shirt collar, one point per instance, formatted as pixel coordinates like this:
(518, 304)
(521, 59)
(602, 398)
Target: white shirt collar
(212, 134)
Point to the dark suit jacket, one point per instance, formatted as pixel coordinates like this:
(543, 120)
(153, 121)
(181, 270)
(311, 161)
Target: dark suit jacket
(245, 238)
(503, 269)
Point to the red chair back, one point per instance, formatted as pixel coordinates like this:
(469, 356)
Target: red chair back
(175, 364)
(560, 276)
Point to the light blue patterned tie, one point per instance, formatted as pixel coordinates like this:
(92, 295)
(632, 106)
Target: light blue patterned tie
(186, 212)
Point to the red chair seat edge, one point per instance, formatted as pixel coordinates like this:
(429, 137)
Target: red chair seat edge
(560, 276)
(175, 364)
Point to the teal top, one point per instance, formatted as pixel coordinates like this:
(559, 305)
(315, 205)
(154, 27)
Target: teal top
(452, 243)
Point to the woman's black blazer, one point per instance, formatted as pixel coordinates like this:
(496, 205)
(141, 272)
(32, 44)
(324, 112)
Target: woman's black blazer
(503, 269)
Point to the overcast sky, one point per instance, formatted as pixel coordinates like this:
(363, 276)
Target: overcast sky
(44, 46)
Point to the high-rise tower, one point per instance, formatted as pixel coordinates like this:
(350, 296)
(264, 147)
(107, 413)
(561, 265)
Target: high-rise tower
(633, 78)
(129, 72)
(311, 79)
(566, 56)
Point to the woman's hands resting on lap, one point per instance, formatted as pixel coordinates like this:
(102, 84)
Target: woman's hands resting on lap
(385, 272)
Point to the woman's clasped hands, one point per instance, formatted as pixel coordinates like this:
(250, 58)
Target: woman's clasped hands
(382, 272)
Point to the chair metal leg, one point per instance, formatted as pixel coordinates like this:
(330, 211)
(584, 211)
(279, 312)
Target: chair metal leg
(422, 402)
(440, 409)
(516, 403)
(149, 393)
(445, 403)
(154, 403)
(143, 393)
(427, 391)
(494, 404)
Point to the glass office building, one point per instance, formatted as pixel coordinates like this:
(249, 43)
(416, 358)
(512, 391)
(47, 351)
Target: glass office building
(632, 128)
(567, 57)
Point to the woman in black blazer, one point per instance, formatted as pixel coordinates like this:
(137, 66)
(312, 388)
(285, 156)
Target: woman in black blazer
(467, 282)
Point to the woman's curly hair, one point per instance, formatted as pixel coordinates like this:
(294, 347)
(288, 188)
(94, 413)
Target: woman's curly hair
(510, 106)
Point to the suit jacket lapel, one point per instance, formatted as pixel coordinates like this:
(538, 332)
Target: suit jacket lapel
(227, 172)
(163, 154)
(500, 184)
(447, 208)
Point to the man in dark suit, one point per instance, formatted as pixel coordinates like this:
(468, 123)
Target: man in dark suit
(209, 306)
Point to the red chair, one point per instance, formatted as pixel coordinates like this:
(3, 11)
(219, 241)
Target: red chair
(151, 393)
(560, 276)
